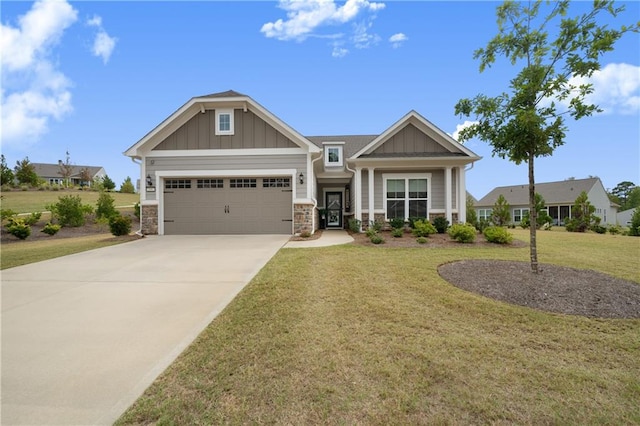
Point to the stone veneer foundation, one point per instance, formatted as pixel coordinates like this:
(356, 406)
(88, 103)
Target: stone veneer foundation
(303, 218)
(149, 219)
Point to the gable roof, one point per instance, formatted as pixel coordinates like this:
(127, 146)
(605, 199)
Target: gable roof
(352, 143)
(195, 105)
(53, 170)
(565, 192)
(453, 147)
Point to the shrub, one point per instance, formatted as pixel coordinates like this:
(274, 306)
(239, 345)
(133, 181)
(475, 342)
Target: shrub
(376, 239)
(462, 233)
(50, 229)
(615, 229)
(501, 215)
(482, 224)
(634, 229)
(136, 210)
(599, 229)
(18, 228)
(396, 223)
(354, 225)
(423, 228)
(69, 210)
(305, 234)
(413, 220)
(7, 213)
(498, 235)
(397, 232)
(376, 225)
(421, 240)
(33, 218)
(105, 206)
(441, 224)
(120, 225)
(370, 232)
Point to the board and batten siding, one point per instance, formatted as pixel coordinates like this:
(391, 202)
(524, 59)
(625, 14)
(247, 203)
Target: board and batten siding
(437, 187)
(250, 132)
(230, 163)
(410, 140)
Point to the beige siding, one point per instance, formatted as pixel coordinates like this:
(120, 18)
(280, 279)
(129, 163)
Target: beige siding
(250, 131)
(409, 140)
(218, 164)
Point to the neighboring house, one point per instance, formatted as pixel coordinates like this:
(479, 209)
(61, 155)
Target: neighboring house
(223, 164)
(51, 173)
(624, 217)
(558, 197)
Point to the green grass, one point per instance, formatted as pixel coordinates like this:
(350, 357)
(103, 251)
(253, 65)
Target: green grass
(25, 252)
(35, 201)
(355, 335)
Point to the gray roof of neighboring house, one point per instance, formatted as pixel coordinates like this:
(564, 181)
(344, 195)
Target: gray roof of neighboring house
(53, 170)
(352, 144)
(227, 94)
(565, 192)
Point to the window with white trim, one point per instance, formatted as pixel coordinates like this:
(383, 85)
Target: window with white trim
(333, 156)
(243, 183)
(210, 183)
(177, 183)
(276, 182)
(519, 214)
(406, 196)
(224, 122)
(485, 214)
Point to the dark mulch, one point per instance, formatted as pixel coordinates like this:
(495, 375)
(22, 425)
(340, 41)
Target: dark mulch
(555, 289)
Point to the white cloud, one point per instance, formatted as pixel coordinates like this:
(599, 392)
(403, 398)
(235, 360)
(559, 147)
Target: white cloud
(103, 44)
(462, 126)
(396, 40)
(33, 89)
(306, 17)
(616, 88)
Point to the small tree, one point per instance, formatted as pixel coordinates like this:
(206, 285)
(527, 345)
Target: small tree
(6, 174)
(635, 223)
(582, 217)
(541, 214)
(65, 169)
(85, 176)
(25, 172)
(551, 49)
(105, 206)
(108, 184)
(127, 186)
(472, 216)
(501, 215)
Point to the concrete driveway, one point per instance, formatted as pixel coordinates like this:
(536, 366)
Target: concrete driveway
(84, 335)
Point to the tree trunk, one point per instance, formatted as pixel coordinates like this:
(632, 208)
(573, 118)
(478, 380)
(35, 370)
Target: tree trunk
(533, 219)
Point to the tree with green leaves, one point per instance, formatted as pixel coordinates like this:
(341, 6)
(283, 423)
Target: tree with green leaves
(6, 174)
(551, 50)
(472, 217)
(65, 169)
(25, 172)
(543, 217)
(621, 194)
(633, 200)
(501, 215)
(127, 186)
(582, 214)
(108, 184)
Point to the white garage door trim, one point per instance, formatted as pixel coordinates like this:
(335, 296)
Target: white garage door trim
(168, 174)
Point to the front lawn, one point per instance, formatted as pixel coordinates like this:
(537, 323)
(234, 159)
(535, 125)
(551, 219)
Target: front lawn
(35, 201)
(363, 335)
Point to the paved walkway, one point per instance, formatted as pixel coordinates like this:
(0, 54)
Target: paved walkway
(329, 237)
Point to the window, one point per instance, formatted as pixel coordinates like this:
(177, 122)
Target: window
(333, 156)
(177, 183)
(210, 183)
(406, 196)
(242, 183)
(224, 122)
(276, 183)
(485, 214)
(518, 214)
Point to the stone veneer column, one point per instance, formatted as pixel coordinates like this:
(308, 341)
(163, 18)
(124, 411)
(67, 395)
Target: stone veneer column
(149, 219)
(303, 218)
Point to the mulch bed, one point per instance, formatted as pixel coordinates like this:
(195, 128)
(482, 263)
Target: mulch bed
(433, 241)
(555, 289)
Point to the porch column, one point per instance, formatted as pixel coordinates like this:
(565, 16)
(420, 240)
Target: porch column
(372, 216)
(447, 194)
(462, 195)
(357, 190)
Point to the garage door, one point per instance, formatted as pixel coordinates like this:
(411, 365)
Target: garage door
(228, 206)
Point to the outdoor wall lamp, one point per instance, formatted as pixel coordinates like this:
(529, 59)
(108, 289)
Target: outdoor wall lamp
(301, 178)
(149, 181)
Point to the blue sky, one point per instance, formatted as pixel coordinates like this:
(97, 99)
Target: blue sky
(94, 77)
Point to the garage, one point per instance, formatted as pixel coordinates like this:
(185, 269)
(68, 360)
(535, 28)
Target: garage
(234, 205)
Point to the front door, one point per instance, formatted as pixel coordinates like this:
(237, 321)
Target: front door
(334, 209)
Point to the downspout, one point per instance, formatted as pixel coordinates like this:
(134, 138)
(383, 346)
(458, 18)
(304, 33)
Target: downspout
(139, 231)
(315, 201)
